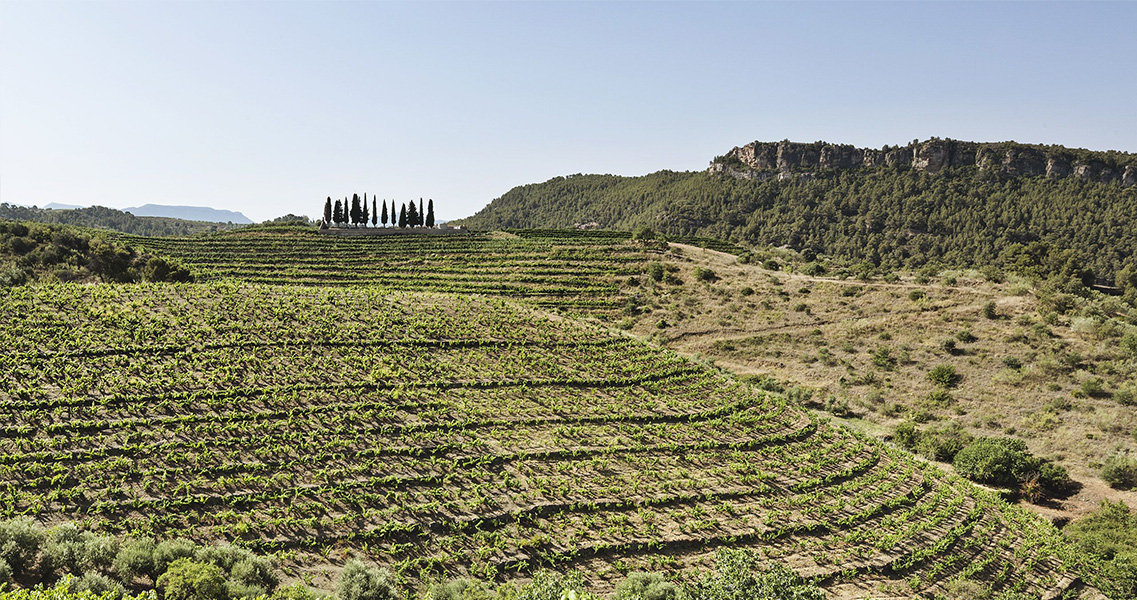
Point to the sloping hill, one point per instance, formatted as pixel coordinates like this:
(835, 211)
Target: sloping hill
(444, 434)
(892, 215)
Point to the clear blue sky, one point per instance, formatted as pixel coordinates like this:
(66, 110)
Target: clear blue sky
(269, 107)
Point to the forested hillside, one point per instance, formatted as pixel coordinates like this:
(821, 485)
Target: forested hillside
(101, 217)
(889, 216)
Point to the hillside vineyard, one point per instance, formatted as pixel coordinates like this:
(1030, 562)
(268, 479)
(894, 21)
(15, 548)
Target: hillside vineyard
(444, 434)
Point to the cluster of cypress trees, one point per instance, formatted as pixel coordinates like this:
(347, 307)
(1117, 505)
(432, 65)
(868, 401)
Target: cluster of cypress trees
(358, 213)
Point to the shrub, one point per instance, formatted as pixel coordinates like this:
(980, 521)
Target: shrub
(1120, 471)
(645, 586)
(705, 274)
(740, 576)
(915, 295)
(5, 573)
(223, 555)
(949, 346)
(460, 589)
(772, 265)
(989, 310)
(944, 376)
(168, 551)
(799, 395)
(643, 232)
(883, 358)
(1110, 535)
(813, 269)
(965, 336)
(20, 541)
(1129, 343)
(940, 398)
(837, 406)
(64, 550)
(1125, 395)
(994, 461)
(1054, 477)
(943, 443)
(1093, 387)
(255, 571)
(135, 560)
(99, 584)
(296, 591)
(186, 579)
(655, 271)
(359, 581)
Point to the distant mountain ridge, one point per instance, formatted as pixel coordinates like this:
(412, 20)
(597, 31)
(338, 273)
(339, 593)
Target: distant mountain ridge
(190, 213)
(101, 217)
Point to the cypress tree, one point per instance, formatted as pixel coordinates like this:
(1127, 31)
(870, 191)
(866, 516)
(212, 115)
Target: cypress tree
(375, 211)
(421, 213)
(430, 213)
(328, 211)
(355, 214)
(364, 211)
(412, 215)
(337, 216)
(403, 216)
(384, 212)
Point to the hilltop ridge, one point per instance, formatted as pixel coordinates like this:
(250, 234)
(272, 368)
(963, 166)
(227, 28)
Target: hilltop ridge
(786, 159)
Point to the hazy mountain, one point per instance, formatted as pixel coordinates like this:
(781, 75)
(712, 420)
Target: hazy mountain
(58, 206)
(190, 213)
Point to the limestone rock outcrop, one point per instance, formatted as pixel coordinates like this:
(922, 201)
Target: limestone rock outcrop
(794, 160)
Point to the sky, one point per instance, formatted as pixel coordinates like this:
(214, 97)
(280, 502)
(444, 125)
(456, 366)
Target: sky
(269, 107)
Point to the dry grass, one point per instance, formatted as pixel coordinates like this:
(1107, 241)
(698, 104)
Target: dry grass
(868, 346)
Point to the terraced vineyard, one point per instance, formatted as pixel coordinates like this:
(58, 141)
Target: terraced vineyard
(461, 435)
(577, 272)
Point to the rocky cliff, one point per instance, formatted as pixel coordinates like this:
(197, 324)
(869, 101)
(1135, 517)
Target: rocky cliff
(794, 160)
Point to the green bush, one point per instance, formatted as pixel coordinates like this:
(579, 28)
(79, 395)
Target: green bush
(772, 265)
(989, 310)
(20, 541)
(223, 555)
(461, 589)
(1120, 471)
(943, 443)
(994, 461)
(645, 586)
(643, 232)
(359, 581)
(168, 551)
(135, 560)
(1093, 387)
(940, 398)
(705, 274)
(740, 575)
(655, 271)
(185, 579)
(1110, 535)
(255, 571)
(882, 357)
(5, 573)
(915, 295)
(296, 591)
(100, 584)
(1129, 343)
(1126, 395)
(944, 376)
(813, 269)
